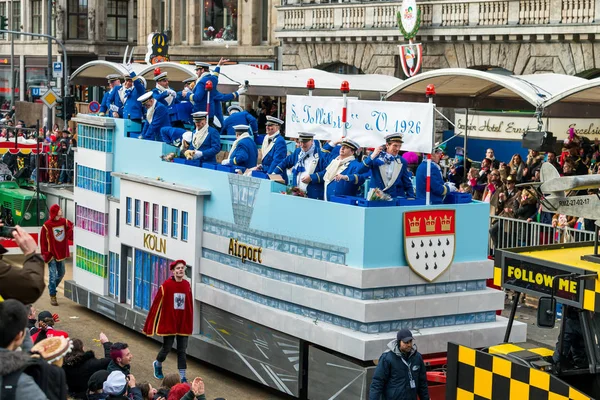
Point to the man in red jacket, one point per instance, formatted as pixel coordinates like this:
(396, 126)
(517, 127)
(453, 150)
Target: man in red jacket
(171, 316)
(54, 242)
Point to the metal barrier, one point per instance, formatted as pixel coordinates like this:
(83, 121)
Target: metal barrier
(510, 232)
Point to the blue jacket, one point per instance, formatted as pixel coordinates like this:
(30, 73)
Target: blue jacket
(239, 118)
(198, 96)
(402, 186)
(349, 188)
(245, 153)
(391, 380)
(315, 189)
(151, 131)
(212, 146)
(171, 135)
(132, 109)
(438, 188)
(275, 156)
(106, 101)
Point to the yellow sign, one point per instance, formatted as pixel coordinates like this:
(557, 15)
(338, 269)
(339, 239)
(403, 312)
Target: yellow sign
(244, 251)
(49, 98)
(154, 243)
(540, 279)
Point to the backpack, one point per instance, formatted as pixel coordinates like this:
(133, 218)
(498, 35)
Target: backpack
(50, 379)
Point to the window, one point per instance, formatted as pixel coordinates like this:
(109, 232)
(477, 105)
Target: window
(183, 20)
(265, 21)
(150, 272)
(36, 16)
(146, 215)
(3, 12)
(114, 269)
(134, 27)
(90, 261)
(116, 19)
(16, 17)
(162, 20)
(220, 19)
(94, 179)
(137, 213)
(155, 218)
(118, 222)
(128, 210)
(165, 221)
(184, 226)
(174, 224)
(77, 19)
(91, 220)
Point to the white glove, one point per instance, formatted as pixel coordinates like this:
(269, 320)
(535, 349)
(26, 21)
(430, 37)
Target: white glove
(242, 90)
(129, 68)
(197, 155)
(451, 187)
(172, 92)
(185, 91)
(114, 108)
(225, 161)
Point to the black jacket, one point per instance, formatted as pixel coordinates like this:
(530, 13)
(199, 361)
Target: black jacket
(81, 368)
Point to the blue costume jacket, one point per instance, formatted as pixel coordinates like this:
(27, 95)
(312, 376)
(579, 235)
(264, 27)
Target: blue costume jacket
(198, 96)
(132, 108)
(211, 146)
(106, 101)
(172, 135)
(438, 189)
(239, 118)
(401, 186)
(315, 188)
(347, 188)
(275, 156)
(151, 131)
(245, 153)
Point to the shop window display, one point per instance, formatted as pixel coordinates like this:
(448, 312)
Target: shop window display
(220, 20)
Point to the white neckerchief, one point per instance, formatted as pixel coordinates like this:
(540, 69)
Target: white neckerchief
(169, 99)
(200, 136)
(266, 148)
(150, 112)
(389, 173)
(310, 164)
(334, 168)
(122, 94)
(243, 136)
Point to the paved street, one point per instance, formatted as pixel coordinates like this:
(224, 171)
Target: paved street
(86, 325)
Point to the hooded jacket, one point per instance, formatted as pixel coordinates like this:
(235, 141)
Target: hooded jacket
(55, 236)
(391, 380)
(11, 361)
(24, 284)
(79, 370)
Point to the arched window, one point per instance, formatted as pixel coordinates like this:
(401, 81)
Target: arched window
(341, 68)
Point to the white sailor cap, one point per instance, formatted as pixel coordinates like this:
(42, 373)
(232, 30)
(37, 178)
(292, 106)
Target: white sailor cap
(274, 121)
(234, 107)
(113, 77)
(199, 115)
(160, 77)
(306, 135)
(145, 97)
(189, 80)
(350, 143)
(187, 137)
(241, 128)
(394, 137)
(200, 64)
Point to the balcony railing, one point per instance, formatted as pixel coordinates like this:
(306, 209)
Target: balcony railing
(351, 15)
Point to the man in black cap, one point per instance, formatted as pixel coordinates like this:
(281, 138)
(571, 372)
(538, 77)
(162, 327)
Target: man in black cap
(400, 372)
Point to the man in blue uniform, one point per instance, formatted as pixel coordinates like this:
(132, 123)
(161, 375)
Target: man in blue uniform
(238, 117)
(157, 117)
(188, 87)
(342, 176)
(389, 171)
(125, 97)
(105, 106)
(198, 96)
(274, 146)
(244, 152)
(204, 143)
(184, 107)
(439, 189)
(167, 97)
(308, 163)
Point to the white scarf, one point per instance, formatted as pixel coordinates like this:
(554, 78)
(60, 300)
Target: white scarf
(383, 171)
(150, 112)
(266, 145)
(122, 94)
(200, 136)
(313, 157)
(334, 168)
(169, 98)
(243, 136)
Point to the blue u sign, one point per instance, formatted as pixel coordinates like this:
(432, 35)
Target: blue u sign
(35, 91)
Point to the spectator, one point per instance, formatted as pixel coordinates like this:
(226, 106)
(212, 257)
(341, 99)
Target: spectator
(25, 284)
(80, 365)
(120, 358)
(170, 380)
(13, 320)
(178, 391)
(489, 154)
(46, 321)
(494, 183)
(148, 392)
(551, 158)
(484, 171)
(54, 241)
(95, 385)
(66, 158)
(517, 167)
(196, 392)
(117, 385)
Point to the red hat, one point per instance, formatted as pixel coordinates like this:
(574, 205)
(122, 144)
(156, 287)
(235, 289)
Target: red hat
(174, 264)
(54, 209)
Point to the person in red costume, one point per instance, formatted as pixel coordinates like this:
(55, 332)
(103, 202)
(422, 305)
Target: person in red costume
(54, 242)
(171, 316)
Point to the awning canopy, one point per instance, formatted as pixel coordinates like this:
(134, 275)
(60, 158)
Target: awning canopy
(261, 82)
(467, 88)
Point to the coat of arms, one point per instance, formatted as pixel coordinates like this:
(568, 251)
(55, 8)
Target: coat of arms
(411, 54)
(429, 239)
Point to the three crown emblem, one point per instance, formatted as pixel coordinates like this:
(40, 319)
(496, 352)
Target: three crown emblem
(414, 225)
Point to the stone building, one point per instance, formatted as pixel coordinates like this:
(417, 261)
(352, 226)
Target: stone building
(520, 37)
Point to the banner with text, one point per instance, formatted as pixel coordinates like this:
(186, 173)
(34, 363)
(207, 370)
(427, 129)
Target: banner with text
(368, 122)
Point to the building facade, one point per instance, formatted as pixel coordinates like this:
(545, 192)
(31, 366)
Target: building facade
(518, 37)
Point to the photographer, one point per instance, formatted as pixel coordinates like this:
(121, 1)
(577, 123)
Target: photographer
(24, 284)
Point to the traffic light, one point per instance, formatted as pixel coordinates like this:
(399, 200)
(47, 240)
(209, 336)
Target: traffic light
(60, 109)
(69, 107)
(3, 23)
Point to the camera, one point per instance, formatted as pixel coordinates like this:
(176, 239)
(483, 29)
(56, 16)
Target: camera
(7, 231)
